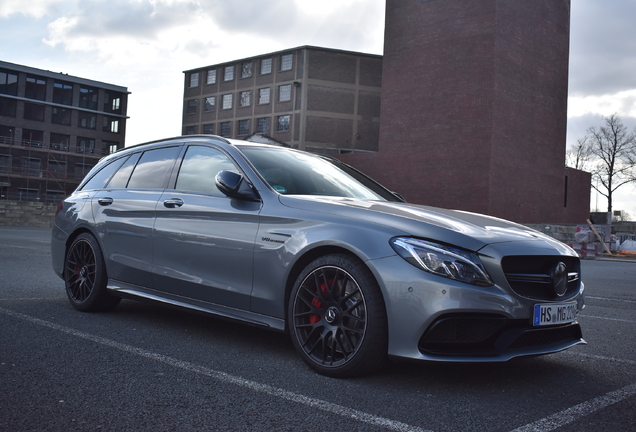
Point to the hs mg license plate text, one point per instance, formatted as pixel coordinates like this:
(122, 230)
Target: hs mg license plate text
(550, 314)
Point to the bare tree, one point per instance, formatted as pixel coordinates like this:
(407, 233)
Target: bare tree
(578, 157)
(615, 150)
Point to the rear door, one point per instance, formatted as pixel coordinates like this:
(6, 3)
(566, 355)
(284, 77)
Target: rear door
(124, 213)
(203, 240)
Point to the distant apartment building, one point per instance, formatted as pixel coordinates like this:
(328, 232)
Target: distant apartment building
(312, 98)
(53, 129)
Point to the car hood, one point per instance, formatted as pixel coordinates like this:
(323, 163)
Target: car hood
(468, 230)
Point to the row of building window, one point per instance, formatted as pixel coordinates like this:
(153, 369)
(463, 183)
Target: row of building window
(32, 166)
(35, 139)
(244, 99)
(243, 127)
(35, 88)
(246, 70)
(59, 115)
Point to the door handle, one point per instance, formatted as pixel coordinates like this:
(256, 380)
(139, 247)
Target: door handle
(105, 201)
(173, 202)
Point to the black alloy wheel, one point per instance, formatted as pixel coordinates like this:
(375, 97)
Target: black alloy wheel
(85, 276)
(337, 317)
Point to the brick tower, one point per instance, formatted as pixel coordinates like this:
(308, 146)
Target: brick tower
(474, 108)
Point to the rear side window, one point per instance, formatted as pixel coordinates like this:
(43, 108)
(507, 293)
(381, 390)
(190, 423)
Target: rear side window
(199, 168)
(153, 169)
(98, 181)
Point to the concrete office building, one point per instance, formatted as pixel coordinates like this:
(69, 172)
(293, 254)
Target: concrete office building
(53, 129)
(311, 98)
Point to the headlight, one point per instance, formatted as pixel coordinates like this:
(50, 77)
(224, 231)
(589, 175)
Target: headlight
(442, 260)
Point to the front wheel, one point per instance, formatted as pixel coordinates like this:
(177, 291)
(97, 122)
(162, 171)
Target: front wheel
(337, 317)
(85, 276)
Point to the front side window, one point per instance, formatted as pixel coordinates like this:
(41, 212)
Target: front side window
(228, 74)
(246, 69)
(286, 62)
(199, 168)
(283, 123)
(246, 98)
(227, 101)
(209, 103)
(211, 77)
(194, 79)
(284, 93)
(266, 66)
(153, 169)
(263, 96)
(62, 93)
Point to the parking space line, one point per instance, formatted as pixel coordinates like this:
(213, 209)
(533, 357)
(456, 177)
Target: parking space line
(328, 407)
(578, 411)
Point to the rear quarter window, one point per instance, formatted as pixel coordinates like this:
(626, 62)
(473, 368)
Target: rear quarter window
(99, 180)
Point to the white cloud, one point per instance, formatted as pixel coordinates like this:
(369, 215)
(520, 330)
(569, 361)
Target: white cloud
(33, 8)
(622, 103)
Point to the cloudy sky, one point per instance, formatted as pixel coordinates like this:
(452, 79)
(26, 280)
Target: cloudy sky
(145, 45)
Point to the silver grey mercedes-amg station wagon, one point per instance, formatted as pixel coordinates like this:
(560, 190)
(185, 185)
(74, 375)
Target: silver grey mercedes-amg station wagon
(303, 243)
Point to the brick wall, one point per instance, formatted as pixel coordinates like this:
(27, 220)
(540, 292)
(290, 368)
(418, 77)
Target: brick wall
(21, 213)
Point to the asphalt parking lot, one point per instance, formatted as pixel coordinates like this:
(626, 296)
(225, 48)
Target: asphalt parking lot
(147, 367)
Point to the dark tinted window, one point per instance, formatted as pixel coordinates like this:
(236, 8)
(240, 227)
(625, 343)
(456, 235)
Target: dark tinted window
(120, 179)
(200, 166)
(99, 180)
(153, 169)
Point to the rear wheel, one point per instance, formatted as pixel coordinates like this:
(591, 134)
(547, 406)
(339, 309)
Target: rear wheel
(85, 276)
(337, 317)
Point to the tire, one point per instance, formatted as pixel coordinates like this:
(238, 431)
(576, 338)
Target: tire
(85, 276)
(337, 317)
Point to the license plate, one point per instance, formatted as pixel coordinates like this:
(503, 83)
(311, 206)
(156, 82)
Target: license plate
(554, 313)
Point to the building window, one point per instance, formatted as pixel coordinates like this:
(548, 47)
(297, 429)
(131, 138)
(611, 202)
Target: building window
(8, 107)
(88, 98)
(286, 61)
(87, 120)
(194, 79)
(35, 88)
(284, 93)
(209, 103)
(109, 147)
(266, 66)
(211, 78)
(112, 102)
(226, 129)
(228, 74)
(8, 83)
(32, 137)
(61, 116)
(246, 69)
(192, 106)
(283, 123)
(62, 93)
(208, 128)
(110, 125)
(36, 112)
(31, 166)
(56, 168)
(227, 101)
(263, 125)
(191, 130)
(28, 194)
(60, 142)
(246, 98)
(243, 127)
(263, 96)
(85, 145)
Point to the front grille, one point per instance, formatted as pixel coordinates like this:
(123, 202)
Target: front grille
(489, 335)
(529, 276)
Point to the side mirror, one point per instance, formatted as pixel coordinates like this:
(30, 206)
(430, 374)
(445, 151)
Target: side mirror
(234, 185)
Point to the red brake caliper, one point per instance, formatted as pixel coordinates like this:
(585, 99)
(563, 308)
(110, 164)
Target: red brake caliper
(313, 319)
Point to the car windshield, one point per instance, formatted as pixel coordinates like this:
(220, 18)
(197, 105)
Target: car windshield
(297, 173)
